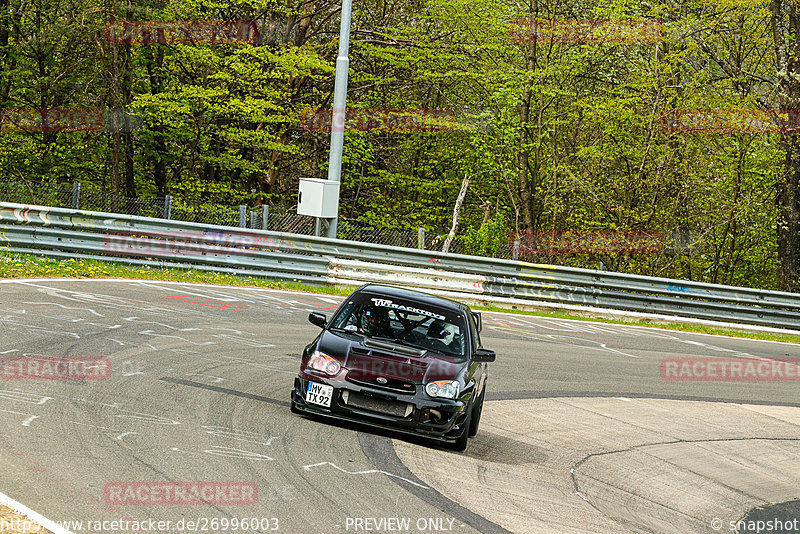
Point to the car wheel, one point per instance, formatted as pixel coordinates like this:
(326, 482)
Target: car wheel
(476, 415)
(461, 443)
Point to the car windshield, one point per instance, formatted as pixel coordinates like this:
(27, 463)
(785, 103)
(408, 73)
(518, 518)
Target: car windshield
(405, 322)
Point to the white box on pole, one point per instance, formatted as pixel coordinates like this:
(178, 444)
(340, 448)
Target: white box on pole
(318, 198)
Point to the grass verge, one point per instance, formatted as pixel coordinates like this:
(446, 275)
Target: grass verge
(28, 266)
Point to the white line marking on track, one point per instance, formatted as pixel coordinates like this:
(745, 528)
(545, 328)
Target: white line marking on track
(39, 328)
(66, 307)
(243, 341)
(229, 452)
(367, 472)
(238, 435)
(151, 333)
(118, 438)
(23, 396)
(26, 422)
(217, 379)
(20, 508)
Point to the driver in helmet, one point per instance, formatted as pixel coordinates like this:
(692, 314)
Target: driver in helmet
(375, 321)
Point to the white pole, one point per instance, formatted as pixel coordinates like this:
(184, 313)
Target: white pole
(339, 108)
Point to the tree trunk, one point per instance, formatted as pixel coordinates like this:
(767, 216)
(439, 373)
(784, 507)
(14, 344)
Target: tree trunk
(125, 122)
(116, 144)
(786, 40)
(6, 58)
(155, 62)
(787, 196)
(523, 163)
(456, 214)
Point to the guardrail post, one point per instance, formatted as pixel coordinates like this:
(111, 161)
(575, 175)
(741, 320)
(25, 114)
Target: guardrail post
(76, 195)
(421, 238)
(264, 215)
(168, 206)
(242, 216)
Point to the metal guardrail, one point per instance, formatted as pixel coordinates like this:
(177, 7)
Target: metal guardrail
(60, 232)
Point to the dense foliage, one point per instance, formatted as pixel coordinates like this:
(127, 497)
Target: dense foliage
(551, 133)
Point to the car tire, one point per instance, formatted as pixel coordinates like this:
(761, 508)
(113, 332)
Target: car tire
(460, 444)
(477, 410)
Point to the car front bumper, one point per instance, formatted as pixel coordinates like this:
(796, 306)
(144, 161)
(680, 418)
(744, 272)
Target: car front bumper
(419, 422)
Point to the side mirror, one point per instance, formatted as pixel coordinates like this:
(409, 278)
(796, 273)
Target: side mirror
(317, 319)
(484, 356)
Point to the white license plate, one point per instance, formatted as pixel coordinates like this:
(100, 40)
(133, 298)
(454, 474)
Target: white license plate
(319, 394)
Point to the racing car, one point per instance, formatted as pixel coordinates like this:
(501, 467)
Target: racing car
(399, 360)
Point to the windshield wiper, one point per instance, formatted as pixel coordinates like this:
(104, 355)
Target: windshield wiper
(425, 350)
(344, 330)
(394, 340)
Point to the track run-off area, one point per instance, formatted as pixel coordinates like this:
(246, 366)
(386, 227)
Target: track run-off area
(587, 427)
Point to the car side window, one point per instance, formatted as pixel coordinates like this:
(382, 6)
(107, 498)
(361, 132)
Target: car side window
(474, 334)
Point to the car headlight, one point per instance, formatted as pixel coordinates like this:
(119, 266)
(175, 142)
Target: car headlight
(447, 389)
(322, 362)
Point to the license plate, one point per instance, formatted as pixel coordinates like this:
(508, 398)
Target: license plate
(319, 394)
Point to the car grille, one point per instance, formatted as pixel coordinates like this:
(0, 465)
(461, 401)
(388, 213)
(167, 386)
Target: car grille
(395, 386)
(384, 371)
(374, 404)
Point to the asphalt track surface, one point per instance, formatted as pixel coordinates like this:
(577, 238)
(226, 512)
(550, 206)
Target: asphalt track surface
(576, 413)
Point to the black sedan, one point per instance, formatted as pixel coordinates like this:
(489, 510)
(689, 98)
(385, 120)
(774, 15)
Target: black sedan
(397, 359)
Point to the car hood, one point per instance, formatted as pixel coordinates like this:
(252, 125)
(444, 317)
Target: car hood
(367, 362)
